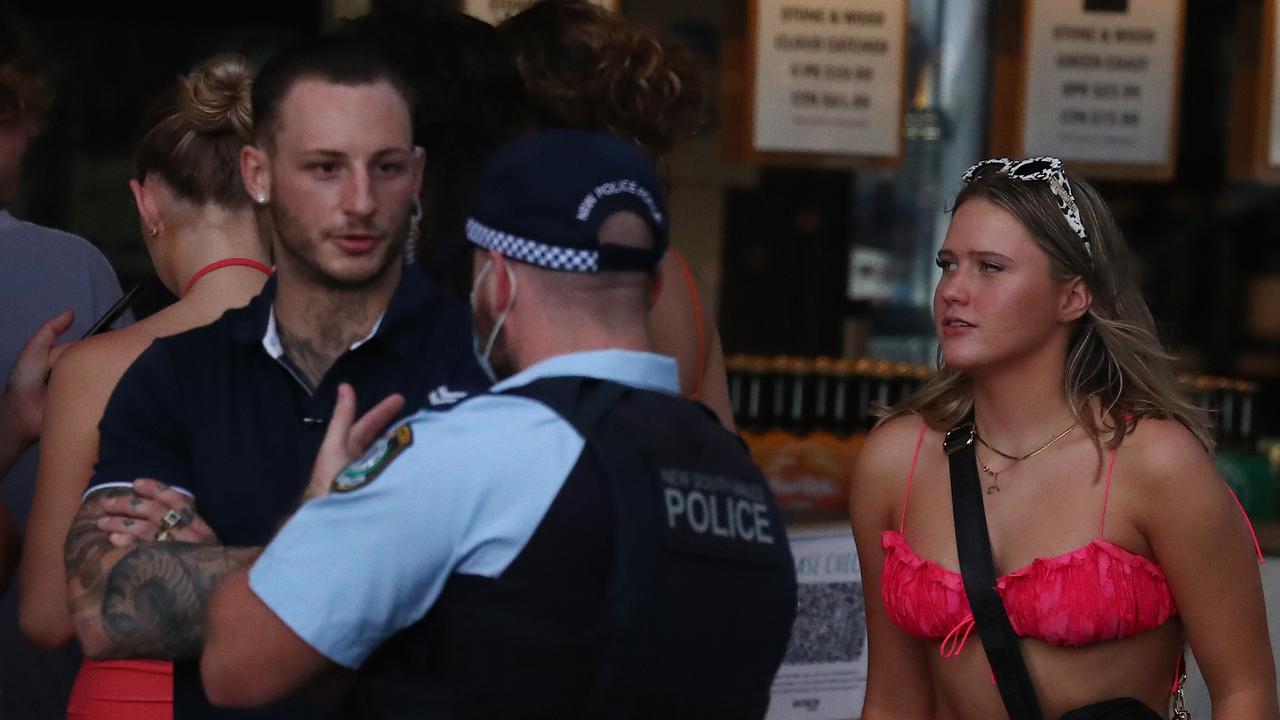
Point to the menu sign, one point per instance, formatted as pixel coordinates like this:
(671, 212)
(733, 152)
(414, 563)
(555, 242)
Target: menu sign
(1102, 80)
(829, 76)
(824, 673)
(495, 11)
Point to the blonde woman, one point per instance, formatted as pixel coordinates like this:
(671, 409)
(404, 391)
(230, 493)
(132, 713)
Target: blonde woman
(202, 234)
(1115, 543)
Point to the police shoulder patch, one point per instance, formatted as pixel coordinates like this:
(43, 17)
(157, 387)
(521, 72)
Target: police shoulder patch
(375, 460)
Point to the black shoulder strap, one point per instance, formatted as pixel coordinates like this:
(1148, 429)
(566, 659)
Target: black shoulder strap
(581, 401)
(978, 570)
(597, 398)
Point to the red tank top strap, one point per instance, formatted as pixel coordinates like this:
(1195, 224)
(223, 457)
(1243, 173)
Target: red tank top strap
(911, 474)
(1247, 523)
(1111, 463)
(1106, 495)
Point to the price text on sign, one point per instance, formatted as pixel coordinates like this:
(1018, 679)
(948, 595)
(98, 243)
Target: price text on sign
(829, 76)
(1101, 84)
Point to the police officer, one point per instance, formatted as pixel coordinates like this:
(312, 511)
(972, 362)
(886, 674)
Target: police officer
(578, 542)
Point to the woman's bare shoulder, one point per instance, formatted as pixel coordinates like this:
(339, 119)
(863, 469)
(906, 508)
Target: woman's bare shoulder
(98, 362)
(1163, 455)
(889, 447)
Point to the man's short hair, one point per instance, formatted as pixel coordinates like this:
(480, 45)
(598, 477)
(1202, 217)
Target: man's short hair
(338, 59)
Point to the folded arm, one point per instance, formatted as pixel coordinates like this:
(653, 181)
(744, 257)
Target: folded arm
(144, 600)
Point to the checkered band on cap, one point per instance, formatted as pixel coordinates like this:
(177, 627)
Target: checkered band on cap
(532, 251)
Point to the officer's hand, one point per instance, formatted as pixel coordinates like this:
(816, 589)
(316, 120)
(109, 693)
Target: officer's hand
(145, 516)
(348, 438)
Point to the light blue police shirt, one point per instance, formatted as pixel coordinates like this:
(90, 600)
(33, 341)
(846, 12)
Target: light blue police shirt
(351, 569)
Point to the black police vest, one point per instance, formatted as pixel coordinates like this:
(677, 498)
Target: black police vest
(659, 584)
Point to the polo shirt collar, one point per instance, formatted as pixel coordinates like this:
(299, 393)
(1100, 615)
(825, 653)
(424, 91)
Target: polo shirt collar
(408, 306)
(645, 370)
(271, 336)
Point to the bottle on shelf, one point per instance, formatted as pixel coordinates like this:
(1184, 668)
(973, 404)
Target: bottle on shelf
(1237, 458)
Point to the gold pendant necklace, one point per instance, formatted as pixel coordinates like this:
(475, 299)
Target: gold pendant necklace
(993, 474)
(1033, 453)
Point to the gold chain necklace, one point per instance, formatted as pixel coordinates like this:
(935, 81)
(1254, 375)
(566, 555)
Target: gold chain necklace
(995, 474)
(1033, 453)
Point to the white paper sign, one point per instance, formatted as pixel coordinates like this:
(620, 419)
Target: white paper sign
(829, 76)
(1273, 150)
(824, 674)
(495, 11)
(1100, 82)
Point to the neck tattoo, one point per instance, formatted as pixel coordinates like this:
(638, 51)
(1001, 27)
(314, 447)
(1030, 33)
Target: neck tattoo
(310, 356)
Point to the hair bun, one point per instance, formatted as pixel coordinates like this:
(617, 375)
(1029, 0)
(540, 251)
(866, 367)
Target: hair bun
(647, 87)
(584, 66)
(217, 97)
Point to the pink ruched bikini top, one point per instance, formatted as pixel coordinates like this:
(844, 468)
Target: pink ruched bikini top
(1095, 593)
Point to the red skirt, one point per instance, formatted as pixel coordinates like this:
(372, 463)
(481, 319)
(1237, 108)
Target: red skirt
(122, 690)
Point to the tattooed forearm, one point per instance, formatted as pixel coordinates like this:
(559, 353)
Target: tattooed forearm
(143, 601)
(86, 544)
(154, 599)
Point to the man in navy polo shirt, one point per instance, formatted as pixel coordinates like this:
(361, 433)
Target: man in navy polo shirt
(232, 413)
(579, 542)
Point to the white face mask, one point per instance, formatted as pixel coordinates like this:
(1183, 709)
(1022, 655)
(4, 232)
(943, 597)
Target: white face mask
(482, 356)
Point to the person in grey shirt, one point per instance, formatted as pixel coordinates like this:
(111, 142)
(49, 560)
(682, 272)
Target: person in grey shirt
(43, 273)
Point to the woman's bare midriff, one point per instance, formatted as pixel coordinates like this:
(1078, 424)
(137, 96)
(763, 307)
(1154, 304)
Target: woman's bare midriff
(1065, 678)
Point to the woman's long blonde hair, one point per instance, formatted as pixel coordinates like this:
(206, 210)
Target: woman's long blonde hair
(1114, 354)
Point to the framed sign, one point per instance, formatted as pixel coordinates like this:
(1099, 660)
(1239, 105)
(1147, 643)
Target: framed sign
(824, 673)
(823, 81)
(1093, 82)
(495, 11)
(1253, 146)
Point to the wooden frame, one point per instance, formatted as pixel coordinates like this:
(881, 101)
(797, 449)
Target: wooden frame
(1007, 129)
(1253, 97)
(739, 100)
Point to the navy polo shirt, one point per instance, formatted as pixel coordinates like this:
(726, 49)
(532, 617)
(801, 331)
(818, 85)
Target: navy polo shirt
(214, 411)
(211, 410)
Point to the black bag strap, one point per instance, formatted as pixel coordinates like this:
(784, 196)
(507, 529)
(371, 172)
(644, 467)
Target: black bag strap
(978, 571)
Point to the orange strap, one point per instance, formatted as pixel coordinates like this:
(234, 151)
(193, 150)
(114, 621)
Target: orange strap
(697, 322)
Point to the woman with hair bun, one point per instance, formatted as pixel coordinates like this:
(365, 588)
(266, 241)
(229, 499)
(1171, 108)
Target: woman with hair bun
(1115, 543)
(202, 234)
(584, 67)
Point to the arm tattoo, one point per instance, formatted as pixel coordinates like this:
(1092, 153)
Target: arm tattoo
(154, 601)
(148, 601)
(86, 544)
